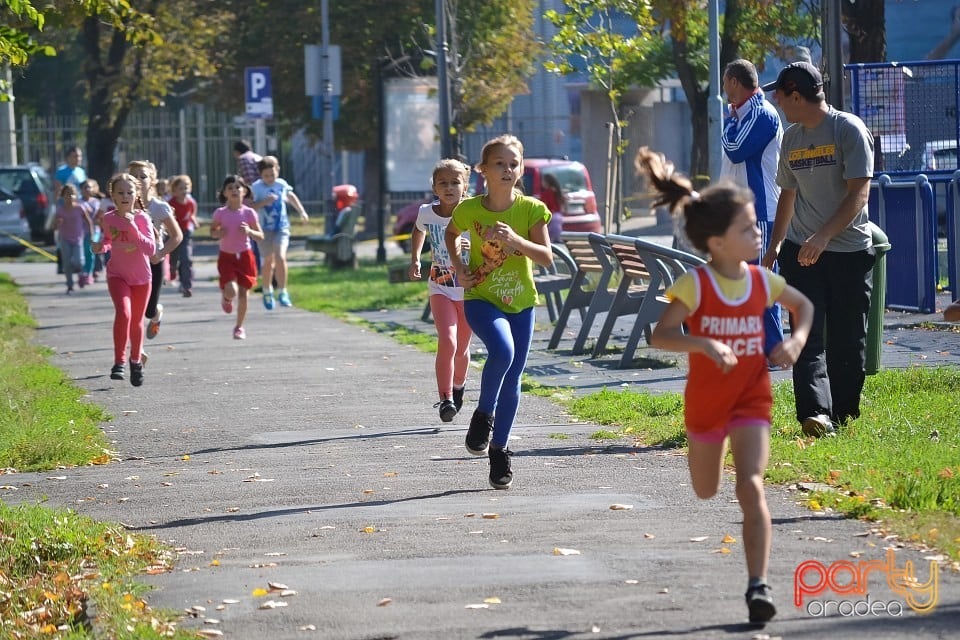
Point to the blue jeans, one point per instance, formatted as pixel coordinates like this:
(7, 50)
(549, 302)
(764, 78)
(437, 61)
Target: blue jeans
(828, 376)
(72, 258)
(506, 337)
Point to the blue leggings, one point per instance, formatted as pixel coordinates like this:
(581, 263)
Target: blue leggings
(507, 338)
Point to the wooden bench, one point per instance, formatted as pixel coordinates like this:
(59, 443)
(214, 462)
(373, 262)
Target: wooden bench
(589, 291)
(338, 246)
(632, 292)
(664, 265)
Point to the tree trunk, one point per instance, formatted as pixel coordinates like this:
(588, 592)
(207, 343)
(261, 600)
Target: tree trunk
(112, 86)
(697, 99)
(864, 22)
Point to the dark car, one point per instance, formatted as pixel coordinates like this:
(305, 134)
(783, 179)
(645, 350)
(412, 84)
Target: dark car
(32, 184)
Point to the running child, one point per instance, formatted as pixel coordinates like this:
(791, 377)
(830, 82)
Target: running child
(234, 224)
(73, 224)
(168, 236)
(507, 232)
(450, 179)
(128, 235)
(92, 262)
(271, 194)
(185, 213)
(728, 391)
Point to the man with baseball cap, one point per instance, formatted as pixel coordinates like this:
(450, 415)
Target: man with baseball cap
(823, 244)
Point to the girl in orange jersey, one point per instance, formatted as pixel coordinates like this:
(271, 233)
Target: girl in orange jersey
(728, 388)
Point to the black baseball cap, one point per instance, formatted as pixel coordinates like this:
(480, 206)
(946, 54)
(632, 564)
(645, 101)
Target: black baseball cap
(798, 76)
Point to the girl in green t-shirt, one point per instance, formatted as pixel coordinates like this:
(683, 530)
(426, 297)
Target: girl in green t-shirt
(507, 231)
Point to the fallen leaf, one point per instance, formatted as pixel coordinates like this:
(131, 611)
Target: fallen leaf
(277, 586)
(728, 539)
(275, 553)
(185, 457)
(664, 590)
(309, 627)
(477, 606)
(856, 554)
(287, 593)
(699, 539)
(384, 602)
(723, 550)
(272, 604)
(214, 563)
(491, 516)
(230, 601)
(369, 530)
(233, 509)
(209, 633)
(259, 592)
(389, 474)
(631, 581)
(649, 536)
(560, 551)
(368, 491)
(492, 600)
(621, 507)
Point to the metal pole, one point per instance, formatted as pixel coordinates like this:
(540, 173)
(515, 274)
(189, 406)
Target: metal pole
(832, 53)
(327, 182)
(183, 140)
(382, 144)
(715, 102)
(443, 84)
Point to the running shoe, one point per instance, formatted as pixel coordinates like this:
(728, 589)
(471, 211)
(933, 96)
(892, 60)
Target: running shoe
(153, 328)
(268, 301)
(285, 299)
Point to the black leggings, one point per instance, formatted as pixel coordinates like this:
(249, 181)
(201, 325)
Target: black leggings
(156, 271)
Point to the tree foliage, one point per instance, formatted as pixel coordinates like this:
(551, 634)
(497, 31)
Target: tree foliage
(16, 44)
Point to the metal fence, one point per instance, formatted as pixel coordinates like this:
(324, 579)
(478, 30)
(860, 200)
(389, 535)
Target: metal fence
(912, 110)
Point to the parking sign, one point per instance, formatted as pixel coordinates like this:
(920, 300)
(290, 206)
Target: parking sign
(258, 92)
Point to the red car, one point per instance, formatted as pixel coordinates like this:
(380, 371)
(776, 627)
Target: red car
(579, 204)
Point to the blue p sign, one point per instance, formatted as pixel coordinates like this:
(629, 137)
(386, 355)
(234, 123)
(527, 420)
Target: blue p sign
(258, 92)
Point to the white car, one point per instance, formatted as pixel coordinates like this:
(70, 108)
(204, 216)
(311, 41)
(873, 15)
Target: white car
(939, 155)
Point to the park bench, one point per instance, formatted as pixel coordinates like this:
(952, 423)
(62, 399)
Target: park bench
(339, 245)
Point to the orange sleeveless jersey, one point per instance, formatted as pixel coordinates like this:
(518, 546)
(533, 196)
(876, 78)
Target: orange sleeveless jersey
(713, 399)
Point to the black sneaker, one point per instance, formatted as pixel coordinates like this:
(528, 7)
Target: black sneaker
(116, 373)
(500, 474)
(447, 410)
(478, 433)
(759, 601)
(458, 398)
(136, 373)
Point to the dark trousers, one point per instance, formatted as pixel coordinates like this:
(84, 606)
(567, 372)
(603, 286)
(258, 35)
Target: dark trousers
(828, 376)
(156, 271)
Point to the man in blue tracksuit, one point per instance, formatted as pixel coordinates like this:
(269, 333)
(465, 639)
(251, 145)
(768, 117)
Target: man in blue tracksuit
(752, 134)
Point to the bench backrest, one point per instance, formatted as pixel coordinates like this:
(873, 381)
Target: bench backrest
(346, 222)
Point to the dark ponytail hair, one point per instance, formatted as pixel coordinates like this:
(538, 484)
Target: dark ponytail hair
(706, 214)
(230, 179)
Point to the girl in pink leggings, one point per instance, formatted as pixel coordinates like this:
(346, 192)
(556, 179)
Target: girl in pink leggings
(128, 235)
(450, 179)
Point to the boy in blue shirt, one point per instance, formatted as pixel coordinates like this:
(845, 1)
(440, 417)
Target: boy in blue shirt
(271, 194)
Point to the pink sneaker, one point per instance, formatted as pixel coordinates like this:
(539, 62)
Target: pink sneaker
(239, 334)
(226, 305)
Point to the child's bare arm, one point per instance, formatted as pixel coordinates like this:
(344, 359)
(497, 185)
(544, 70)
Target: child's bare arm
(253, 230)
(417, 239)
(295, 201)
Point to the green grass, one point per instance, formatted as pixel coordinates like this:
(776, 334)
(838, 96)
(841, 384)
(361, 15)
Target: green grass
(339, 292)
(44, 421)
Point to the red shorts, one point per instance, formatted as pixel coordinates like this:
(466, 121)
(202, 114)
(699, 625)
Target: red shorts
(240, 267)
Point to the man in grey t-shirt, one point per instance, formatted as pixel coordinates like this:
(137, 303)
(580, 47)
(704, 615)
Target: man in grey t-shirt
(823, 245)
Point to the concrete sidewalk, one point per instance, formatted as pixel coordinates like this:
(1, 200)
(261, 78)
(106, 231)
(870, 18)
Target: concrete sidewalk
(310, 455)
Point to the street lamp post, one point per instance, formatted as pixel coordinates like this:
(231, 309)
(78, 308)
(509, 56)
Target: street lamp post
(443, 83)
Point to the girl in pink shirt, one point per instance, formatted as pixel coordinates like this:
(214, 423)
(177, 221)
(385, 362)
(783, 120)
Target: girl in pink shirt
(235, 224)
(72, 224)
(129, 236)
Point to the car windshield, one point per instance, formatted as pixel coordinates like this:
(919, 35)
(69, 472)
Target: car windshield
(571, 178)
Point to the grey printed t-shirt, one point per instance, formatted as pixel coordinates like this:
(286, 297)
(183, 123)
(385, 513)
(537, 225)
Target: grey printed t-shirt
(817, 165)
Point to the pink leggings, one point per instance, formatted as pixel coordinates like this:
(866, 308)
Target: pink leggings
(130, 301)
(453, 343)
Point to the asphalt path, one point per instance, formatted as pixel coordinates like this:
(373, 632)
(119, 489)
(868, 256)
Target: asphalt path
(309, 457)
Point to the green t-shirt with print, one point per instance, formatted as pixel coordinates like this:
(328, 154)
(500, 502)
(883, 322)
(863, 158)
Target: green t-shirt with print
(504, 276)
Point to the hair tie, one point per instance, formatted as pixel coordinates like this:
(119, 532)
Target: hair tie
(694, 195)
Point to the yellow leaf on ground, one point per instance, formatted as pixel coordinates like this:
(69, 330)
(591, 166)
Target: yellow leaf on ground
(259, 592)
(560, 551)
(492, 600)
(369, 530)
(728, 539)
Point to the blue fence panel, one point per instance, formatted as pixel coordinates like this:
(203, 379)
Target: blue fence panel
(953, 235)
(906, 213)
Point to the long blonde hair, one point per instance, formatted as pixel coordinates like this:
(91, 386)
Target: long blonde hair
(137, 186)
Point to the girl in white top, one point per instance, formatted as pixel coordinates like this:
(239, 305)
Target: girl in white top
(167, 233)
(449, 181)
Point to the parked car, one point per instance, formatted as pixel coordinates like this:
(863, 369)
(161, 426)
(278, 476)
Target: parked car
(939, 155)
(580, 202)
(12, 222)
(33, 185)
(406, 218)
